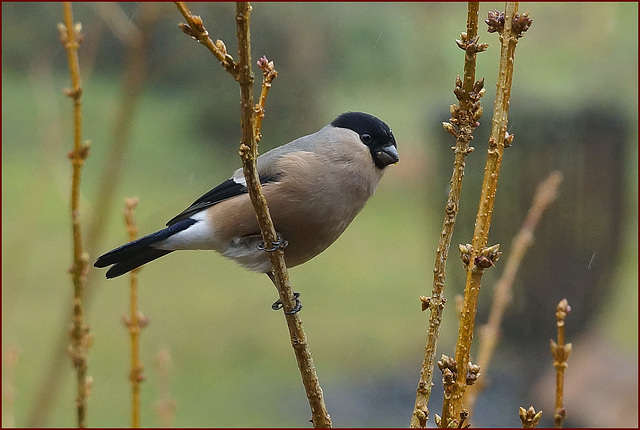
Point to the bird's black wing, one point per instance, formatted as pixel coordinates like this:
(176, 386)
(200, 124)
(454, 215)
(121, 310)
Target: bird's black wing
(225, 190)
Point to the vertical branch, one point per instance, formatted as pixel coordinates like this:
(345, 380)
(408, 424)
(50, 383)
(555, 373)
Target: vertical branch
(560, 352)
(136, 321)
(80, 340)
(464, 120)
(545, 195)
(478, 256)
(250, 126)
(135, 42)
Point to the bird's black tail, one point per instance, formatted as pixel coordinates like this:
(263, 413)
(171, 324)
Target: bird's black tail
(141, 251)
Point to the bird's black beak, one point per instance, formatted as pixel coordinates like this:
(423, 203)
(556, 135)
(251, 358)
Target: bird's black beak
(386, 155)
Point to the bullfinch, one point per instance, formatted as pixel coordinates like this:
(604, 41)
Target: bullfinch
(314, 187)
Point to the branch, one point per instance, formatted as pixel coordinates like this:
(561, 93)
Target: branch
(250, 126)
(478, 256)
(195, 28)
(135, 322)
(464, 120)
(80, 339)
(560, 352)
(545, 195)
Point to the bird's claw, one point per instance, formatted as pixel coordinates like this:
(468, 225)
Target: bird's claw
(280, 243)
(277, 305)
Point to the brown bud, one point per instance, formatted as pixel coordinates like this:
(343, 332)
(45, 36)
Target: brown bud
(197, 21)
(465, 253)
(447, 362)
(473, 372)
(529, 417)
(422, 413)
(448, 377)
(186, 29)
(495, 22)
(143, 321)
(520, 24)
(477, 113)
(508, 139)
(449, 128)
(464, 416)
(426, 301)
(482, 262)
(562, 309)
(488, 256)
(481, 47)
(221, 46)
(438, 420)
(62, 29)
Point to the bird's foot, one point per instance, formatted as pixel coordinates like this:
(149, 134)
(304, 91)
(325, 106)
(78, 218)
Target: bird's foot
(277, 305)
(280, 243)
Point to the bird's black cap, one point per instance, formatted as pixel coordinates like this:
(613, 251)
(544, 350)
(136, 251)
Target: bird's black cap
(374, 133)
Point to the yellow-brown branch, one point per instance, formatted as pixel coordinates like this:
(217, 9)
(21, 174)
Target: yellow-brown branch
(80, 339)
(136, 321)
(464, 120)
(560, 352)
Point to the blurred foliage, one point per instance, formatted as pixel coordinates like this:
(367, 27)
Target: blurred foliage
(574, 108)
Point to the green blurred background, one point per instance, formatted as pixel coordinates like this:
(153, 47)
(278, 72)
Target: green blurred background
(574, 109)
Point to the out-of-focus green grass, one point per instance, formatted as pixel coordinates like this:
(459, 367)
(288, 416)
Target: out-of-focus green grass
(232, 360)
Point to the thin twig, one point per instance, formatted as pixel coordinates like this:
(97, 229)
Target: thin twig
(195, 28)
(269, 73)
(241, 71)
(464, 120)
(478, 256)
(80, 339)
(560, 352)
(136, 321)
(545, 195)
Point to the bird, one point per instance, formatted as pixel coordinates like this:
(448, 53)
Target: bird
(314, 187)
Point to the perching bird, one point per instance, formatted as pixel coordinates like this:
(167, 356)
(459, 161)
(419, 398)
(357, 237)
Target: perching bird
(314, 187)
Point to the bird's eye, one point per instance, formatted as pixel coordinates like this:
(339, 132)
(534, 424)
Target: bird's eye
(366, 138)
